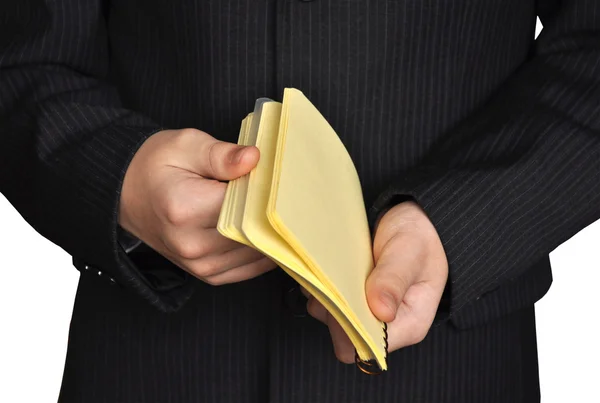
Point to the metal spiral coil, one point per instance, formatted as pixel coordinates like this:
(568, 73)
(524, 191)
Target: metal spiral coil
(371, 367)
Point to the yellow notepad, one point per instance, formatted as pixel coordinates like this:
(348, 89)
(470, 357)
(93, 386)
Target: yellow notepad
(303, 207)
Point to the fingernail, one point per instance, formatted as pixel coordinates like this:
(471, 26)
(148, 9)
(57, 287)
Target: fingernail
(236, 157)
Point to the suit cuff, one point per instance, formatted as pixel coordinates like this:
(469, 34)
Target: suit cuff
(127, 241)
(142, 271)
(434, 192)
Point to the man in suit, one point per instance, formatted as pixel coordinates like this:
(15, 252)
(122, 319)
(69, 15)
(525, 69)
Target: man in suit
(477, 149)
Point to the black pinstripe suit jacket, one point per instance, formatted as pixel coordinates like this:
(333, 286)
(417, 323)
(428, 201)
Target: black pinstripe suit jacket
(450, 102)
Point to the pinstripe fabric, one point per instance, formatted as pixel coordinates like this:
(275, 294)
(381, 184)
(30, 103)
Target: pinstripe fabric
(449, 102)
(518, 178)
(239, 343)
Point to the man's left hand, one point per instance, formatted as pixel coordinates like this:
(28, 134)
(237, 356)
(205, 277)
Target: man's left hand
(406, 285)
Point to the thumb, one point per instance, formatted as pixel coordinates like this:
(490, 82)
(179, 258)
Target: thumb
(223, 161)
(386, 286)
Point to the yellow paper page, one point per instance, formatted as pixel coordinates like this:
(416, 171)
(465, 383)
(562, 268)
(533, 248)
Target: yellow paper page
(258, 230)
(255, 225)
(224, 225)
(232, 211)
(236, 211)
(316, 205)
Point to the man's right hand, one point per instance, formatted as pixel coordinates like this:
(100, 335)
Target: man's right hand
(171, 198)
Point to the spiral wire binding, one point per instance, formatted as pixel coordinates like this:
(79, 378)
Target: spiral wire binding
(370, 367)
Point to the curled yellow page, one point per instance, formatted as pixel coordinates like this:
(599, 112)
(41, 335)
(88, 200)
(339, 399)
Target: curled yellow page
(303, 207)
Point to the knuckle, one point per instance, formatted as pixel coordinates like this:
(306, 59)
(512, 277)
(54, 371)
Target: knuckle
(184, 137)
(213, 158)
(215, 281)
(189, 250)
(208, 269)
(177, 213)
(398, 283)
(395, 284)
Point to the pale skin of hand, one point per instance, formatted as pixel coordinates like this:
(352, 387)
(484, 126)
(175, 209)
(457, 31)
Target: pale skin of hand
(171, 198)
(406, 285)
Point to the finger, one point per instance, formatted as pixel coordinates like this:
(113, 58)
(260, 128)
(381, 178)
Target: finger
(305, 292)
(191, 244)
(316, 310)
(393, 274)
(343, 348)
(414, 317)
(245, 272)
(217, 244)
(206, 196)
(214, 265)
(406, 218)
(220, 160)
(242, 273)
(192, 203)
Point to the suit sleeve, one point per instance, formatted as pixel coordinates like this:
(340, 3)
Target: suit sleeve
(66, 139)
(522, 174)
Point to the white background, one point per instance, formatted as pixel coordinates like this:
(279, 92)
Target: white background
(37, 287)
